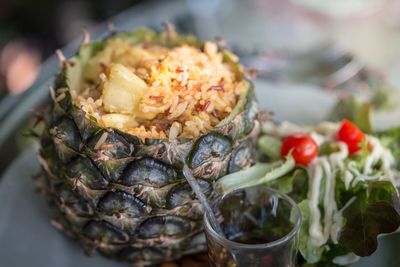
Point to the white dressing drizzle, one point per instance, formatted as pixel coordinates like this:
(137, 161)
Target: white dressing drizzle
(337, 158)
(347, 178)
(318, 138)
(315, 230)
(329, 165)
(329, 199)
(346, 259)
(379, 153)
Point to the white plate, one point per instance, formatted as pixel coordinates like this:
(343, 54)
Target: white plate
(28, 239)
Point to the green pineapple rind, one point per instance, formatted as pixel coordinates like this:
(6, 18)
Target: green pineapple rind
(127, 198)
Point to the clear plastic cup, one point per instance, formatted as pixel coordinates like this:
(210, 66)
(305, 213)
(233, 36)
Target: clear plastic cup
(260, 227)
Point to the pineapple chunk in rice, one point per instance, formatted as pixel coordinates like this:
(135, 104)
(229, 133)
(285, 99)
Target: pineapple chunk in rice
(122, 90)
(119, 121)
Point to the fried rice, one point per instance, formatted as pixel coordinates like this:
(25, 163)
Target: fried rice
(188, 90)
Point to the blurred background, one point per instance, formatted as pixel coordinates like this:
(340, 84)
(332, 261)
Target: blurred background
(340, 46)
(30, 31)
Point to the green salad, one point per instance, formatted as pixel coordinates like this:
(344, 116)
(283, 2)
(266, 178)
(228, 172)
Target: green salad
(344, 177)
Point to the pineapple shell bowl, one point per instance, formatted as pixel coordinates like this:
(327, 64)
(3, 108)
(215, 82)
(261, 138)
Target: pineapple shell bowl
(126, 115)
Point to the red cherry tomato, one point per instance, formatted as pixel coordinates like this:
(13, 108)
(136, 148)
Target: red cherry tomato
(304, 149)
(351, 135)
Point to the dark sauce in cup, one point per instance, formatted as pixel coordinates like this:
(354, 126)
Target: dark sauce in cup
(256, 217)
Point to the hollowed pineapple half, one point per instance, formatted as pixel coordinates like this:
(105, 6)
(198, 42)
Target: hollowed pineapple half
(122, 194)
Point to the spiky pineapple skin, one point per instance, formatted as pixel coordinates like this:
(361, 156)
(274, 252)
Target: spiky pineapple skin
(125, 197)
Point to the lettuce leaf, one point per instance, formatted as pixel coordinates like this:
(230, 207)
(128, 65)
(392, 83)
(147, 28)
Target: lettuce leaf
(294, 184)
(374, 212)
(260, 173)
(270, 146)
